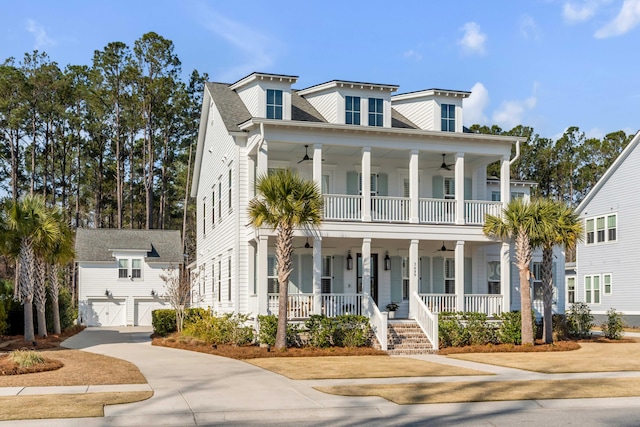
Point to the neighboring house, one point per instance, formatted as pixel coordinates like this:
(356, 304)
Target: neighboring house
(405, 196)
(119, 274)
(607, 271)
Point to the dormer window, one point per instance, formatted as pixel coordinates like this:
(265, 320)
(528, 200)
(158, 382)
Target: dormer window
(448, 117)
(352, 110)
(274, 104)
(376, 114)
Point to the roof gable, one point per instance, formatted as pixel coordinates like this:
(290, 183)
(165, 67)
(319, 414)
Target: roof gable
(100, 244)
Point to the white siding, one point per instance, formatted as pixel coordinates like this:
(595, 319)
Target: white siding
(327, 104)
(421, 113)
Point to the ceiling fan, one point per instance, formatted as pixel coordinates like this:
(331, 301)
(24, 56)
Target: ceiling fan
(443, 248)
(307, 245)
(306, 155)
(445, 166)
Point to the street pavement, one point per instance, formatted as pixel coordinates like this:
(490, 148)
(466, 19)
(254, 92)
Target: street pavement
(195, 389)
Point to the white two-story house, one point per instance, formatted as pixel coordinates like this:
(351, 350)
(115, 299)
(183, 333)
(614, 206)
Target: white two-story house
(405, 196)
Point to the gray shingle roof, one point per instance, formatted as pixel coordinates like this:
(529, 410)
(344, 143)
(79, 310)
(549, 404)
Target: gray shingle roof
(400, 121)
(302, 110)
(230, 105)
(98, 244)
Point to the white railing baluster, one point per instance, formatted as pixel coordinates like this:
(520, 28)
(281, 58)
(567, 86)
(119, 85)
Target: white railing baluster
(427, 319)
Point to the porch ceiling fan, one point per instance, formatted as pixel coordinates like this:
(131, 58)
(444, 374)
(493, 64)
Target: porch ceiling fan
(306, 155)
(443, 248)
(307, 245)
(444, 165)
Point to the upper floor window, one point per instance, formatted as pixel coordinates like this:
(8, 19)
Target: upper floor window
(123, 268)
(601, 229)
(376, 108)
(493, 277)
(136, 268)
(373, 184)
(274, 104)
(538, 292)
(592, 289)
(135, 272)
(448, 117)
(449, 188)
(352, 110)
(449, 276)
(325, 281)
(230, 191)
(213, 206)
(571, 290)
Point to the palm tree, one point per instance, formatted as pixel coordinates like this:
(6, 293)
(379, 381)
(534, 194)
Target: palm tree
(27, 226)
(562, 228)
(60, 254)
(518, 223)
(284, 202)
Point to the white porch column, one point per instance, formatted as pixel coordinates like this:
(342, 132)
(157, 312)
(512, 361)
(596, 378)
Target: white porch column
(262, 159)
(459, 178)
(414, 191)
(366, 266)
(505, 183)
(317, 165)
(317, 275)
(459, 279)
(505, 276)
(366, 184)
(262, 284)
(413, 274)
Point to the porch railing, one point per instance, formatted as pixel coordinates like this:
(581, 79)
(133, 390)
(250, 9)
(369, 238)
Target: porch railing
(300, 306)
(437, 211)
(439, 303)
(342, 207)
(427, 320)
(391, 209)
(339, 304)
(377, 320)
(482, 303)
(475, 211)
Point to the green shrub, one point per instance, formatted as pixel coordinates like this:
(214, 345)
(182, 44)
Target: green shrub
(480, 332)
(451, 330)
(26, 358)
(7, 304)
(351, 331)
(321, 330)
(579, 320)
(613, 328)
(163, 321)
(230, 328)
(268, 325)
(192, 315)
(509, 331)
(560, 327)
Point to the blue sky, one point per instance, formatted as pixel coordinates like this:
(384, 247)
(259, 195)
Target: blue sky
(549, 64)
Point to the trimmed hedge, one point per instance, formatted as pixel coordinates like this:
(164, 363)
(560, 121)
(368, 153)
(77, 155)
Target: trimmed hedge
(348, 330)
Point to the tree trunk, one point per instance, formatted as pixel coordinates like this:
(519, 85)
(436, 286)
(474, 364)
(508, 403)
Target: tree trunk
(40, 295)
(523, 256)
(29, 334)
(54, 289)
(55, 306)
(186, 201)
(284, 250)
(547, 287)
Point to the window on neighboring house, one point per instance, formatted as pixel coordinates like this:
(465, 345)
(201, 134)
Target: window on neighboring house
(213, 275)
(204, 217)
(219, 280)
(123, 268)
(517, 195)
(376, 112)
(220, 200)
(213, 207)
(601, 229)
(449, 276)
(325, 184)
(405, 278)
(448, 117)
(230, 191)
(449, 188)
(352, 110)
(326, 278)
(274, 104)
(592, 289)
(607, 280)
(536, 271)
(571, 290)
(201, 279)
(229, 281)
(272, 275)
(136, 268)
(493, 277)
(495, 196)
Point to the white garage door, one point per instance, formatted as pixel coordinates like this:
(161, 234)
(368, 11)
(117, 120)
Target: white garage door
(143, 311)
(106, 313)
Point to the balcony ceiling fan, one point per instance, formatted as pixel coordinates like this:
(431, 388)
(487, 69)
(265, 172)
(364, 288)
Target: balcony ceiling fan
(306, 155)
(445, 166)
(307, 245)
(443, 248)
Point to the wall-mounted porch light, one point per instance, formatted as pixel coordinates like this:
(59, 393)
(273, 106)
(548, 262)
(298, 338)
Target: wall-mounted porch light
(387, 261)
(349, 261)
(153, 292)
(107, 293)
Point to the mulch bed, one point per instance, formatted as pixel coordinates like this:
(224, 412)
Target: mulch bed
(7, 367)
(254, 352)
(16, 342)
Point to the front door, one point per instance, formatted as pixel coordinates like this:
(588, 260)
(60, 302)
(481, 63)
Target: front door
(374, 276)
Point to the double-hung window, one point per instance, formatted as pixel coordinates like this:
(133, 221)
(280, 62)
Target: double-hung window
(213, 207)
(449, 188)
(136, 268)
(272, 275)
(448, 117)
(571, 290)
(130, 268)
(123, 268)
(405, 278)
(230, 191)
(592, 289)
(274, 104)
(352, 110)
(326, 278)
(229, 280)
(607, 283)
(376, 112)
(601, 229)
(493, 277)
(219, 280)
(449, 276)
(538, 292)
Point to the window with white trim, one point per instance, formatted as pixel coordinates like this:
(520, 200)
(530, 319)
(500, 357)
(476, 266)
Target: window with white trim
(204, 216)
(272, 275)
(448, 117)
(495, 196)
(274, 104)
(517, 195)
(123, 268)
(601, 229)
(219, 280)
(571, 290)
(373, 184)
(536, 271)
(136, 268)
(325, 184)
(406, 187)
(493, 277)
(376, 112)
(230, 191)
(449, 187)
(219, 200)
(129, 268)
(326, 278)
(607, 283)
(229, 280)
(352, 110)
(405, 278)
(213, 206)
(449, 276)
(592, 289)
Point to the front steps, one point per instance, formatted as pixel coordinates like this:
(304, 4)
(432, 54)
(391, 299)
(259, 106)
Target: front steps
(406, 337)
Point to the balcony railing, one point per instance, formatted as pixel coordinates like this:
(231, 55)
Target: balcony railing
(341, 207)
(477, 303)
(438, 303)
(437, 211)
(300, 305)
(339, 304)
(390, 209)
(476, 211)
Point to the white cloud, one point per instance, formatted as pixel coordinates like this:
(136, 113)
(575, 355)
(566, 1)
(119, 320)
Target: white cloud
(529, 29)
(595, 133)
(473, 41)
(412, 54)
(475, 105)
(511, 113)
(579, 12)
(627, 19)
(42, 39)
(259, 49)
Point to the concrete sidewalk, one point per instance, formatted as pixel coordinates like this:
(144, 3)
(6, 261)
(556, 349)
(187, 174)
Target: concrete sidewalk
(200, 389)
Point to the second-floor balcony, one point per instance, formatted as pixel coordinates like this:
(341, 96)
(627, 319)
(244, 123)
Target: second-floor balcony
(341, 207)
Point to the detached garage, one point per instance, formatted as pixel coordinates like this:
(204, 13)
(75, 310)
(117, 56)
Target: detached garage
(119, 273)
